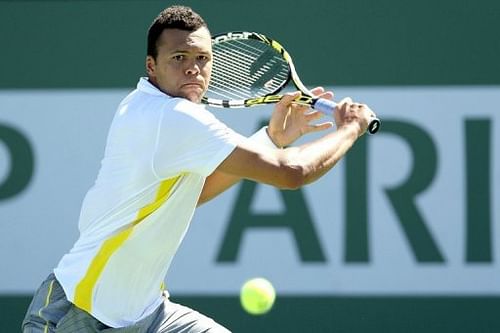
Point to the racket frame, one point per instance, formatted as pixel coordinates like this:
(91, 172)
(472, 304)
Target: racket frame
(306, 98)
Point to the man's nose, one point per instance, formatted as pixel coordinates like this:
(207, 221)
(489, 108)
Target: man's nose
(193, 68)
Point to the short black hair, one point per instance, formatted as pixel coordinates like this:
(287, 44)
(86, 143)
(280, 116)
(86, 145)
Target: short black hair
(173, 17)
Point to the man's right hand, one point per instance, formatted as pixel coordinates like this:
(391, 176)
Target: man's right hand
(349, 113)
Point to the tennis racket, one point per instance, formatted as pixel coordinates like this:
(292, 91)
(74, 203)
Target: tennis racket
(251, 69)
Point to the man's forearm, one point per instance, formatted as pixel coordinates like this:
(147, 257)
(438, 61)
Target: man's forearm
(318, 157)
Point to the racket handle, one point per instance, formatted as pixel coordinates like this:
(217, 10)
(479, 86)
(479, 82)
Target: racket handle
(328, 107)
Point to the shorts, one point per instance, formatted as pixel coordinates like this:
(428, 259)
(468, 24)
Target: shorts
(50, 311)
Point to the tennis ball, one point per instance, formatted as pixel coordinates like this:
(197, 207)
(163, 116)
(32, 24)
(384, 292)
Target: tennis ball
(257, 296)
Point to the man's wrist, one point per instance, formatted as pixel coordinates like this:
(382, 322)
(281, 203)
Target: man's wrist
(262, 136)
(352, 128)
(271, 138)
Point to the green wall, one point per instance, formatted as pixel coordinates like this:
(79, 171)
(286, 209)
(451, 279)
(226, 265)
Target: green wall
(65, 44)
(330, 314)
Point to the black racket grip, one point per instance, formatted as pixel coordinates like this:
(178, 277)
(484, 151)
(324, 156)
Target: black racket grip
(328, 107)
(374, 126)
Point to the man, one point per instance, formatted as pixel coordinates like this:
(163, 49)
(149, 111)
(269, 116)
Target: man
(165, 155)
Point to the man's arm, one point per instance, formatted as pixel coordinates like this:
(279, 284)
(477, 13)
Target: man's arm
(288, 122)
(292, 167)
(286, 169)
(215, 184)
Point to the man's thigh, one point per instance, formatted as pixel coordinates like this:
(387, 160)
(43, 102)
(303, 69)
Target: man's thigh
(175, 318)
(48, 306)
(51, 312)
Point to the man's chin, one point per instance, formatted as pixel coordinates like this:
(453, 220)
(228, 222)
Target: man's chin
(193, 96)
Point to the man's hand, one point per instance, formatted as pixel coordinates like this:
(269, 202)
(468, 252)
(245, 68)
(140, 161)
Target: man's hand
(349, 113)
(290, 121)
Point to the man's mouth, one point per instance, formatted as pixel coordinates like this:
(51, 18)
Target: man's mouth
(192, 85)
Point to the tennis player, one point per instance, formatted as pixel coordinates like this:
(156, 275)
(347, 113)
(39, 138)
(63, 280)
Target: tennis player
(165, 155)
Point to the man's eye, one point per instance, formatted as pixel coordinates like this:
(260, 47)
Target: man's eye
(203, 57)
(178, 57)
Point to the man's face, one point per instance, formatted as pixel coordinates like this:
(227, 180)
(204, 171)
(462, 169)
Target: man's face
(184, 63)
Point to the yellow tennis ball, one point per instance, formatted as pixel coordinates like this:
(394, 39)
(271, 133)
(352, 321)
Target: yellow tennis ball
(257, 296)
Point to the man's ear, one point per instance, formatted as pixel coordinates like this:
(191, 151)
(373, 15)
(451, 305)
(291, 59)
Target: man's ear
(150, 66)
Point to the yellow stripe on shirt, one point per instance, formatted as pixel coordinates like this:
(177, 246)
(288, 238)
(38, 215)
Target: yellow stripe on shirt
(84, 289)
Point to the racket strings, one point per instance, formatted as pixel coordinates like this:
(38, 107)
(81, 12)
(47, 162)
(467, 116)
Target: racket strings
(261, 82)
(230, 73)
(234, 63)
(246, 68)
(260, 56)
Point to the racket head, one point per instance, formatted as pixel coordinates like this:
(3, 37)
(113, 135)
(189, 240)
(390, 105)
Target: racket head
(248, 69)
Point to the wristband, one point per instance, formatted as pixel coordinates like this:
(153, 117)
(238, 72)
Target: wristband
(262, 137)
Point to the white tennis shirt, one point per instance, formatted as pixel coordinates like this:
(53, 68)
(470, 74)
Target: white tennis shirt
(159, 151)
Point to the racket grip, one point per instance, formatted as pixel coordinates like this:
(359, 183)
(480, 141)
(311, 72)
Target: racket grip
(328, 107)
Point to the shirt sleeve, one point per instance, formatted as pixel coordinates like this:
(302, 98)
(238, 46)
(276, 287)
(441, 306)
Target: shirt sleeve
(191, 139)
